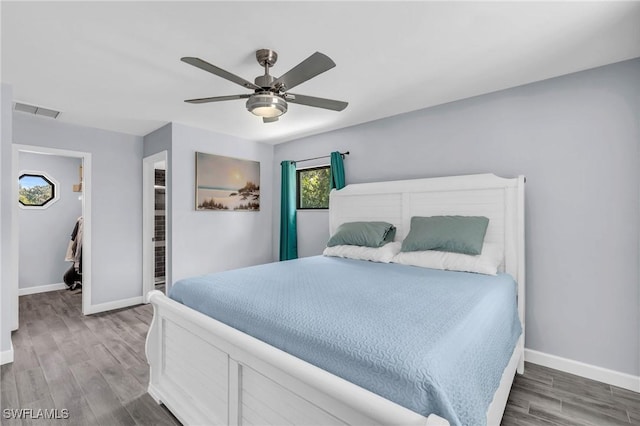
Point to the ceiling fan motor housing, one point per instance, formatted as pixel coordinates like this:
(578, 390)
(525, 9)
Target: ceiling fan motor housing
(264, 81)
(266, 58)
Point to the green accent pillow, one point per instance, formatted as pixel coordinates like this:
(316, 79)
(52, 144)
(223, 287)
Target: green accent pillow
(457, 234)
(366, 234)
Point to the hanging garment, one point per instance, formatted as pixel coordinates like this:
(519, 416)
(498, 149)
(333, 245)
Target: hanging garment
(73, 276)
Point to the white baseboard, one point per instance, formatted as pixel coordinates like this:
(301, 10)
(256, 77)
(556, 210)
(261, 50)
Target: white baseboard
(6, 356)
(41, 289)
(611, 377)
(117, 304)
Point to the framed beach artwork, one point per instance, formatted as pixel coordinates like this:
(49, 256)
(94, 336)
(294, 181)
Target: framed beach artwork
(226, 183)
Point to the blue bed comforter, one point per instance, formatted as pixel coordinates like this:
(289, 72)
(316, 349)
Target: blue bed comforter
(432, 341)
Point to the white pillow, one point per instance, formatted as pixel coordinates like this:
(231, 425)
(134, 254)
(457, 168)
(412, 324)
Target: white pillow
(487, 262)
(382, 254)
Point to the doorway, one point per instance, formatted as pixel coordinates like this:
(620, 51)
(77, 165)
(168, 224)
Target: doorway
(155, 233)
(85, 201)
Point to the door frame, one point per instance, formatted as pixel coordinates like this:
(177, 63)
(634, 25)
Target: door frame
(86, 214)
(148, 221)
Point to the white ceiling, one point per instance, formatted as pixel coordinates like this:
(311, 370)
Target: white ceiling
(117, 65)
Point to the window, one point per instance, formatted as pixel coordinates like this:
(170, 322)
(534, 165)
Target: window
(37, 190)
(313, 188)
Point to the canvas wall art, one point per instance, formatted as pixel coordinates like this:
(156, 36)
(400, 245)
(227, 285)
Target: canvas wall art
(226, 183)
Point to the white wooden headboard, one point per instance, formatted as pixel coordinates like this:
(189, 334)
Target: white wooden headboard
(499, 199)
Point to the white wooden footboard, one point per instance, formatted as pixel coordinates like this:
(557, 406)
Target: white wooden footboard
(206, 373)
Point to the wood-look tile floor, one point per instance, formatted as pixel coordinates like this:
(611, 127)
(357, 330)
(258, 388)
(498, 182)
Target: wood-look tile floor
(543, 396)
(94, 367)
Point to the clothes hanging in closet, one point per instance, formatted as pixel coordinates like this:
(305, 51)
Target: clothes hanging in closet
(73, 276)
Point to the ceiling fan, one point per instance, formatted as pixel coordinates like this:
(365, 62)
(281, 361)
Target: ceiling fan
(270, 97)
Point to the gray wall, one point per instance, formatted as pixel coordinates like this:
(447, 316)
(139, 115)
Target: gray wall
(158, 141)
(6, 297)
(576, 139)
(44, 233)
(211, 241)
(116, 199)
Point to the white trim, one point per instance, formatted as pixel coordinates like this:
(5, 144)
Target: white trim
(116, 304)
(41, 289)
(593, 372)
(86, 213)
(318, 166)
(6, 356)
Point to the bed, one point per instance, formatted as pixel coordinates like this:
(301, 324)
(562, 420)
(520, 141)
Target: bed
(208, 372)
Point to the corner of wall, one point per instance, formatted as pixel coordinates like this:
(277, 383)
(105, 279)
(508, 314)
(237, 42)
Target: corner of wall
(6, 154)
(191, 228)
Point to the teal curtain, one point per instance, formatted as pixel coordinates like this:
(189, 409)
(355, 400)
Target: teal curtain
(288, 231)
(337, 170)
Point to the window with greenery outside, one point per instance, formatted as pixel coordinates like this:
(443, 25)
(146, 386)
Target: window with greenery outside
(35, 190)
(313, 188)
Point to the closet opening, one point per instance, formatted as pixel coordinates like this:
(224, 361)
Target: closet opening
(159, 222)
(51, 217)
(155, 221)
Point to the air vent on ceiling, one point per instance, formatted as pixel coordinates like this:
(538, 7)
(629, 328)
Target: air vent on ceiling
(32, 109)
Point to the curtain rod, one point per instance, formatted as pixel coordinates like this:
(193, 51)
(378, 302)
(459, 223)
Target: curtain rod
(323, 156)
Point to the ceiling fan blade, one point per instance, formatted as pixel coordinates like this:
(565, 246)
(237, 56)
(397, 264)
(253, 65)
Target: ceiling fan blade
(216, 99)
(317, 102)
(305, 70)
(269, 119)
(206, 66)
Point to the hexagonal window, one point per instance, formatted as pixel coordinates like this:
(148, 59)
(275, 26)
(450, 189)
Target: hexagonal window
(37, 190)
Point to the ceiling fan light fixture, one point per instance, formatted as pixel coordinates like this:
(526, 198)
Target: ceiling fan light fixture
(270, 98)
(266, 105)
